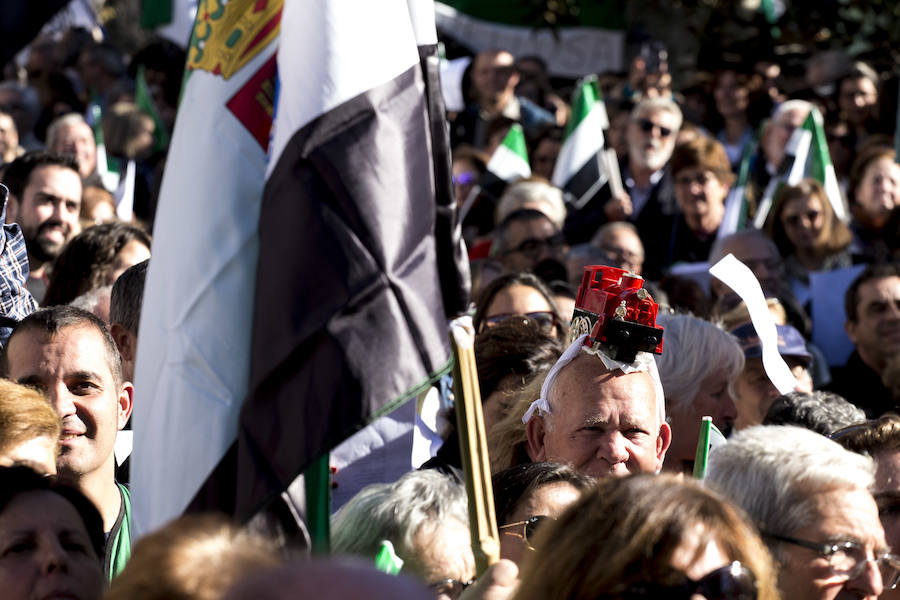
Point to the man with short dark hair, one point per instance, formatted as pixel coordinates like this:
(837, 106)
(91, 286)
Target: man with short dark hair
(872, 306)
(68, 354)
(47, 190)
(494, 80)
(526, 238)
(125, 314)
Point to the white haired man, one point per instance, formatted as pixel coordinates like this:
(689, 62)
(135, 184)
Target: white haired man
(810, 499)
(652, 129)
(603, 417)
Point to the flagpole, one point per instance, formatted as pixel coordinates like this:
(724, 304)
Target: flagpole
(701, 459)
(473, 446)
(317, 484)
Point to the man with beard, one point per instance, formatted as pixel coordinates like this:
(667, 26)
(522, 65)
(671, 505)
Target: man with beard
(872, 308)
(47, 190)
(650, 195)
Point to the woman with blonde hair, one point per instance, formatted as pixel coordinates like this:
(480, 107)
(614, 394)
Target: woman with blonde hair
(808, 234)
(29, 429)
(506, 441)
(649, 536)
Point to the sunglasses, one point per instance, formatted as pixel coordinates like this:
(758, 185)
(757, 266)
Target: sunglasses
(533, 247)
(647, 126)
(795, 220)
(544, 319)
(731, 582)
(464, 178)
(451, 588)
(529, 528)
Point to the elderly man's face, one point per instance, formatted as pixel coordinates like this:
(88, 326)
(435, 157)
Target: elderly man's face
(78, 139)
(441, 555)
(651, 139)
(887, 496)
(603, 424)
(778, 132)
(529, 241)
(840, 515)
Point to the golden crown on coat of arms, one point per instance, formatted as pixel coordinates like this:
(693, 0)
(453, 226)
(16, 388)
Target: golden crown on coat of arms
(229, 33)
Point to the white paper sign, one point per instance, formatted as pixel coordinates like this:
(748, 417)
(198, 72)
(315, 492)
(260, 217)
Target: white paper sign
(741, 280)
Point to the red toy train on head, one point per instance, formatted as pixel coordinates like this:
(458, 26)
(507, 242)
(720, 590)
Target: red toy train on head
(613, 306)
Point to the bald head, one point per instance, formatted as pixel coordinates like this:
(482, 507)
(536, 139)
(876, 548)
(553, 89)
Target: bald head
(602, 423)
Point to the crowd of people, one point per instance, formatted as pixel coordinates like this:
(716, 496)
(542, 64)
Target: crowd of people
(591, 453)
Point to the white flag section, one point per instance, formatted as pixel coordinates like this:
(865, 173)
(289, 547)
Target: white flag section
(741, 280)
(125, 193)
(582, 145)
(342, 31)
(196, 316)
(509, 161)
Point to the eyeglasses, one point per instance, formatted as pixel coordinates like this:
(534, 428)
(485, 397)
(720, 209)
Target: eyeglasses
(848, 559)
(544, 319)
(731, 582)
(647, 126)
(452, 588)
(533, 247)
(464, 178)
(795, 220)
(621, 254)
(529, 528)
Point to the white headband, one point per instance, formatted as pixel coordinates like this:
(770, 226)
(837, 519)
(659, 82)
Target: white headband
(643, 362)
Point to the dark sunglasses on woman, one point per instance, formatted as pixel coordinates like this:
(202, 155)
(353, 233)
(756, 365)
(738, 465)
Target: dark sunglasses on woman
(731, 582)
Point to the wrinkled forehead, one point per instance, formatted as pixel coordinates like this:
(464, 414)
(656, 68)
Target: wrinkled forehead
(587, 386)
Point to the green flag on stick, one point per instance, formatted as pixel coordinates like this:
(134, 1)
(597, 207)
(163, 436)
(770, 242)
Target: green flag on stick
(144, 100)
(509, 161)
(710, 437)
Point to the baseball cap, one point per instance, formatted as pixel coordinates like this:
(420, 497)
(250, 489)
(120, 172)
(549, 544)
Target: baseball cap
(790, 342)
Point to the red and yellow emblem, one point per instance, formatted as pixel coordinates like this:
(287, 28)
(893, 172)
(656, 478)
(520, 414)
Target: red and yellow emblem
(229, 33)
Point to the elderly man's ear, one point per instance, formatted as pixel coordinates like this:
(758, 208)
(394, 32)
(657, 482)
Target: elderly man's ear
(535, 431)
(663, 440)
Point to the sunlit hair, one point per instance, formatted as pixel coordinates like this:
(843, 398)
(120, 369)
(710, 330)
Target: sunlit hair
(25, 415)
(506, 441)
(536, 193)
(418, 502)
(702, 153)
(685, 363)
(777, 473)
(834, 237)
(871, 437)
(626, 531)
(195, 557)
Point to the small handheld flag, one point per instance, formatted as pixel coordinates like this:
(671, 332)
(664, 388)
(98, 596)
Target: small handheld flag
(386, 560)
(509, 161)
(709, 438)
